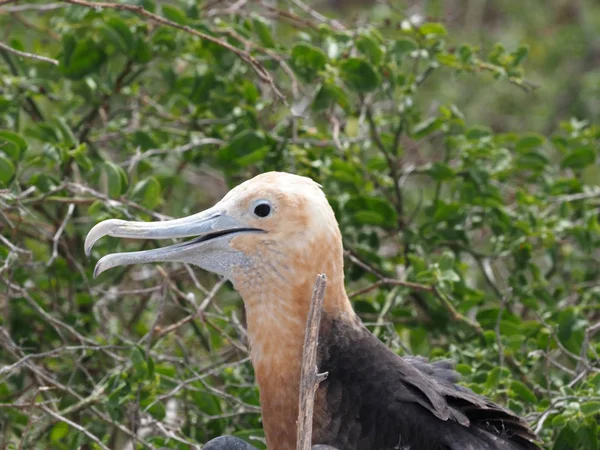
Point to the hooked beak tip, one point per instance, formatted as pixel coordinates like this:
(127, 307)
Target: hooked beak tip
(98, 231)
(102, 265)
(97, 271)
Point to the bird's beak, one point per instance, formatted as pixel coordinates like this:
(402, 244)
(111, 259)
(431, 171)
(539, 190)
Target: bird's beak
(212, 230)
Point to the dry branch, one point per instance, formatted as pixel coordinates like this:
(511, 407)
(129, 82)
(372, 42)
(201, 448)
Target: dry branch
(310, 378)
(28, 55)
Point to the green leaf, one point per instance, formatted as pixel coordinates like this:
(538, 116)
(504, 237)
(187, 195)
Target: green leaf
(174, 14)
(263, 30)
(559, 421)
(307, 61)
(328, 95)
(116, 179)
(67, 136)
(44, 182)
(529, 141)
(372, 211)
(579, 158)
(433, 29)
(59, 432)
(359, 75)
(347, 174)
(80, 58)
(532, 160)
(566, 440)
(244, 143)
(141, 51)
(427, 127)
(7, 169)
(403, 46)
(523, 392)
(464, 369)
(449, 275)
(118, 32)
(370, 48)
(12, 144)
(446, 262)
(493, 378)
(441, 172)
(590, 408)
(147, 193)
(466, 53)
(377, 164)
(253, 157)
(84, 162)
(519, 55)
(44, 132)
(475, 133)
(138, 360)
(369, 218)
(588, 435)
(449, 59)
(151, 367)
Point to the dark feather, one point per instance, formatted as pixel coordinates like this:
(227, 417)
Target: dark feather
(373, 399)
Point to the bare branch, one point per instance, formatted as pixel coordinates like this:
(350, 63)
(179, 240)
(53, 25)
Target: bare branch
(59, 233)
(315, 14)
(211, 295)
(34, 7)
(74, 425)
(310, 378)
(391, 282)
(13, 247)
(14, 51)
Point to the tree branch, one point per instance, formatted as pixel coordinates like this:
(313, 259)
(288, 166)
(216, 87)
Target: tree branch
(9, 49)
(310, 378)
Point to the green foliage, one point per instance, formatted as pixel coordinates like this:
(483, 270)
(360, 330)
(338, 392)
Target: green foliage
(434, 155)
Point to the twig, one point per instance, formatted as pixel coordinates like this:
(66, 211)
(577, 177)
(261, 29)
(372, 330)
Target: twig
(286, 15)
(178, 151)
(59, 232)
(22, 8)
(74, 425)
(352, 257)
(164, 331)
(575, 197)
(310, 378)
(391, 282)
(9, 49)
(320, 17)
(454, 312)
(391, 159)
(70, 348)
(13, 247)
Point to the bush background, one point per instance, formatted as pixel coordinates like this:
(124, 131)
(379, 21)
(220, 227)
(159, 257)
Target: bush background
(457, 142)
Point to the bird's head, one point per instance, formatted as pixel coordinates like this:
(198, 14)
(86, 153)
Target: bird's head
(271, 233)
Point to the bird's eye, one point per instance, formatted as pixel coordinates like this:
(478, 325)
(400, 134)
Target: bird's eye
(262, 210)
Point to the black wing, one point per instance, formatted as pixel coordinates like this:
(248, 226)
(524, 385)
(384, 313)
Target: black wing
(375, 400)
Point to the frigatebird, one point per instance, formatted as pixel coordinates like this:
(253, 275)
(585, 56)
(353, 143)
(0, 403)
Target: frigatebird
(270, 236)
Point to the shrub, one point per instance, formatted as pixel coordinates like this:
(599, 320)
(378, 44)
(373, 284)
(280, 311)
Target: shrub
(464, 240)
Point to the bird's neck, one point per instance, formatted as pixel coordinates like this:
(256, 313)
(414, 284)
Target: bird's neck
(276, 328)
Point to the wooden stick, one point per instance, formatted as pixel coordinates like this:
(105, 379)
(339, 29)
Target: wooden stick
(310, 378)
